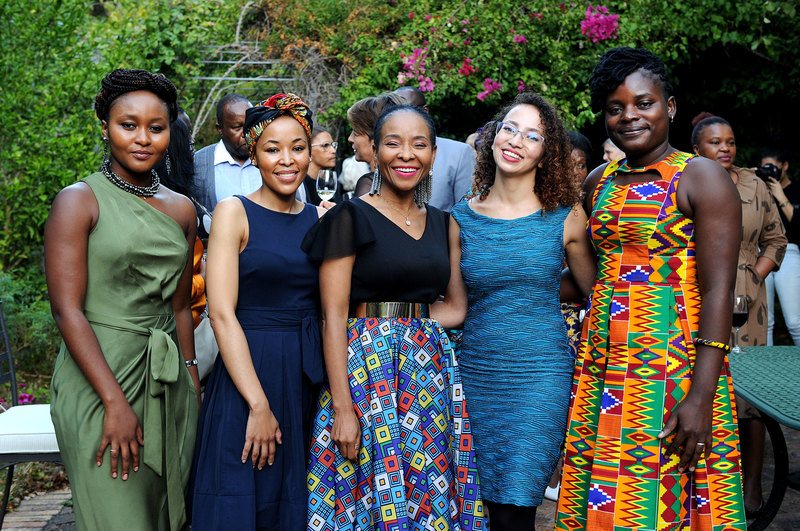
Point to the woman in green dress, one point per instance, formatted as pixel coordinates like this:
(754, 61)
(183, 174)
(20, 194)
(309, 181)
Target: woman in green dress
(117, 260)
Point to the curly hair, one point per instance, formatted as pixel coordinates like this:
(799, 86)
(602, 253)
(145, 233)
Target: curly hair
(555, 184)
(617, 64)
(122, 81)
(703, 120)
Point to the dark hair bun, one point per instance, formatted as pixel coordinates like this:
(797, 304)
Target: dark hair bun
(700, 117)
(122, 81)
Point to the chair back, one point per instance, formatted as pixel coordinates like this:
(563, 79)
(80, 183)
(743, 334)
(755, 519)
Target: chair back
(7, 374)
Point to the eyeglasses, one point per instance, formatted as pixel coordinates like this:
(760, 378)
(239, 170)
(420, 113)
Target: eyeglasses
(327, 145)
(530, 137)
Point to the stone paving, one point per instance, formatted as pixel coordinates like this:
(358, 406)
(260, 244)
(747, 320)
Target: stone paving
(47, 512)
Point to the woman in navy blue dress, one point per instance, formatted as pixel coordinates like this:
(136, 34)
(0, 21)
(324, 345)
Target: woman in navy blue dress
(263, 301)
(507, 247)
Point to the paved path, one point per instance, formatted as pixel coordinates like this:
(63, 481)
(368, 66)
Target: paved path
(46, 512)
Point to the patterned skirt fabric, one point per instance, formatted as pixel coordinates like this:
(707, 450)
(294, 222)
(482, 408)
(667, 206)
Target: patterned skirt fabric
(416, 468)
(634, 369)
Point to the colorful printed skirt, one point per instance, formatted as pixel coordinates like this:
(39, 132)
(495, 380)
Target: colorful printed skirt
(417, 468)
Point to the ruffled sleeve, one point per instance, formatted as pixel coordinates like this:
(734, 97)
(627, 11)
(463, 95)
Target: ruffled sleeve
(340, 232)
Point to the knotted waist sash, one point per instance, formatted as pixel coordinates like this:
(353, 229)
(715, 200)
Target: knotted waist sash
(159, 425)
(305, 320)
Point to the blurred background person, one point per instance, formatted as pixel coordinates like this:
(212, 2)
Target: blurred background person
(323, 157)
(785, 281)
(611, 152)
(762, 249)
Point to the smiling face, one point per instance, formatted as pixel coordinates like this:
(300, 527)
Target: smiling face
(514, 153)
(282, 155)
(405, 151)
(637, 115)
(232, 129)
(323, 157)
(716, 142)
(138, 133)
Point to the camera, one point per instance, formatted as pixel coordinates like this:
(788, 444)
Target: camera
(769, 171)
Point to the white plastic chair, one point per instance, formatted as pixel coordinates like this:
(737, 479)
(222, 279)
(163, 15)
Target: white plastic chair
(26, 432)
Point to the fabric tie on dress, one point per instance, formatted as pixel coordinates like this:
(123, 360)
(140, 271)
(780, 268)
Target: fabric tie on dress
(307, 320)
(159, 428)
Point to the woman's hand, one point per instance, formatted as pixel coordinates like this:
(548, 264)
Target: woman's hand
(776, 190)
(261, 437)
(691, 421)
(346, 433)
(123, 433)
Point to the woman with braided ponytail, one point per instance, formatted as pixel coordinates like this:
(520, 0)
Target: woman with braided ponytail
(263, 301)
(124, 395)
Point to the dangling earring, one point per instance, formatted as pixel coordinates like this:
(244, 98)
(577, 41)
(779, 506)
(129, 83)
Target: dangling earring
(422, 192)
(168, 164)
(106, 157)
(376, 183)
(671, 119)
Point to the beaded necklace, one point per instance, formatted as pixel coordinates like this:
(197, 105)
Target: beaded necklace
(141, 191)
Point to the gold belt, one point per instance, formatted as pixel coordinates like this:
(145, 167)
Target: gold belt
(391, 310)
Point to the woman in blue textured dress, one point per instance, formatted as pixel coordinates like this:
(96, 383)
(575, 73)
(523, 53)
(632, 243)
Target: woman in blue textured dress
(506, 253)
(263, 299)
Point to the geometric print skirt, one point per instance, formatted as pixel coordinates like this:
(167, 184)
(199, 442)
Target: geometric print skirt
(634, 369)
(416, 467)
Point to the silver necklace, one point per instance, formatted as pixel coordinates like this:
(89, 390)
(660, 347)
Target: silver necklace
(408, 212)
(141, 191)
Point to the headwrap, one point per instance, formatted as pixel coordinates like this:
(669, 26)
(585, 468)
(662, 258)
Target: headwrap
(258, 117)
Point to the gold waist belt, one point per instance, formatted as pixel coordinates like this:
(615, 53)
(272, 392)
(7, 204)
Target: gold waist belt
(391, 310)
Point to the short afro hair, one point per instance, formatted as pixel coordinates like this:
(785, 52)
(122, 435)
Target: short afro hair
(617, 64)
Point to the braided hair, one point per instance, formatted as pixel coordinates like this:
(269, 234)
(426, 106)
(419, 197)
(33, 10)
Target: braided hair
(617, 64)
(122, 81)
(555, 184)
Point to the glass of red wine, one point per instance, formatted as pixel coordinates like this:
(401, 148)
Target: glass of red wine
(739, 319)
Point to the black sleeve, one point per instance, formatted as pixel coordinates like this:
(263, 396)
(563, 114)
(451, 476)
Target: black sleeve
(341, 231)
(363, 185)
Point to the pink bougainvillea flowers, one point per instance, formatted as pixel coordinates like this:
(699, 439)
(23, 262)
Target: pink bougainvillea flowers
(599, 24)
(490, 86)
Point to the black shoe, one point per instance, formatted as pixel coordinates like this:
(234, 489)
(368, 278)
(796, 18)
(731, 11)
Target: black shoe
(754, 513)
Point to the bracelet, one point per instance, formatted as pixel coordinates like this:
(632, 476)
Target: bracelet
(715, 344)
(191, 362)
(781, 205)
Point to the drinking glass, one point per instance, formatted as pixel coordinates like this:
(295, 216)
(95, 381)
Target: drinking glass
(326, 184)
(739, 319)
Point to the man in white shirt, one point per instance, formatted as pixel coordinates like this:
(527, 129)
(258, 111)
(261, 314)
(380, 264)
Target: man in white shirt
(224, 169)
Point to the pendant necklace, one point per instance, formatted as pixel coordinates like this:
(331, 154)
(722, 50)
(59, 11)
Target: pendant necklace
(141, 191)
(408, 221)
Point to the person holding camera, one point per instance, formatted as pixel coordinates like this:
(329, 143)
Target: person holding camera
(786, 281)
(762, 249)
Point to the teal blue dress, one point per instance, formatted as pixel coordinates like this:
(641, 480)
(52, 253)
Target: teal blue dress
(515, 361)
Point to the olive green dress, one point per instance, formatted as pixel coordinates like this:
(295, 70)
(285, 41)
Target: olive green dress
(135, 257)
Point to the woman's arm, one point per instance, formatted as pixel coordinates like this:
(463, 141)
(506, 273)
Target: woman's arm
(182, 298)
(451, 312)
(579, 252)
(66, 240)
(772, 238)
(334, 284)
(707, 195)
(227, 239)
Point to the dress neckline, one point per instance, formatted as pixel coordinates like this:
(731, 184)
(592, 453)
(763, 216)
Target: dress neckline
(484, 216)
(305, 205)
(424, 231)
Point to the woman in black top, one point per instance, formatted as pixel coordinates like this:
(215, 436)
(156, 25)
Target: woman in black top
(394, 405)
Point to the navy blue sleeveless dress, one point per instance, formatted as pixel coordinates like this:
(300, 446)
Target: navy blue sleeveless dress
(278, 311)
(515, 360)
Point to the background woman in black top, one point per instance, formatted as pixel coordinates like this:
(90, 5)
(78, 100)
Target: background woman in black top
(394, 405)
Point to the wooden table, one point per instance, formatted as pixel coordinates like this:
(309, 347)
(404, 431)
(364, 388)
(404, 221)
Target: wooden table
(769, 378)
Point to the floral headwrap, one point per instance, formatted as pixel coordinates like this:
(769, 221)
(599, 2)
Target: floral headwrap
(258, 117)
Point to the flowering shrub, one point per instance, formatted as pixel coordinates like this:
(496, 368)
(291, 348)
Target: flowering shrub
(599, 24)
(466, 67)
(489, 86)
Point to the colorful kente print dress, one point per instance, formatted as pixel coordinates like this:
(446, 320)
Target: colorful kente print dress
(635, 366)
(416, 468)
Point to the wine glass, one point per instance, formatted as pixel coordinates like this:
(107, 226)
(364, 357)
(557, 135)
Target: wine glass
(326, 184)
(739, 319)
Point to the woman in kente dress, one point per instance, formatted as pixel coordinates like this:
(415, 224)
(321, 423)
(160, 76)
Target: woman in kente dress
(507, 250)
(263, 296)
(391, 446)
(119, 273)
(652, 440)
